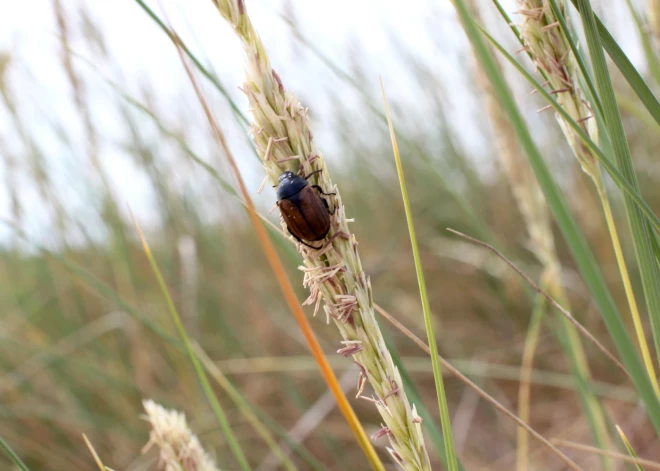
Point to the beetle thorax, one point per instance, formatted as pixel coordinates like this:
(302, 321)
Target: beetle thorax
(289, 185)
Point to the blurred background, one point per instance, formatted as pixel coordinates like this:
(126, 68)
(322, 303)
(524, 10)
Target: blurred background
(97, 116)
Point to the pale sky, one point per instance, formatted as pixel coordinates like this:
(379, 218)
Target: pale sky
(141, 55)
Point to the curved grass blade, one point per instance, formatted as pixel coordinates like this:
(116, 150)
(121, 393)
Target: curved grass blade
(13, 457)
(582, 255)
(452, 462)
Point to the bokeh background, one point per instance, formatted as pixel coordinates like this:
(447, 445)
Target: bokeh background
(97, 116)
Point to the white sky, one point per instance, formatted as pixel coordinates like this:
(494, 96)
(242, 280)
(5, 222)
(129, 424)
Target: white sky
(142, 55)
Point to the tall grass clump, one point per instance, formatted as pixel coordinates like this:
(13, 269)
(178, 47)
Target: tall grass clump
(333, 273)
(536, 217)
(552, 57)
(573, 235)
(83, 323)
(554, 52)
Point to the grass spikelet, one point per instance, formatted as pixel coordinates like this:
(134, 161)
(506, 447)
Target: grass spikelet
(333, 274)
(551, 52)
(179, 448)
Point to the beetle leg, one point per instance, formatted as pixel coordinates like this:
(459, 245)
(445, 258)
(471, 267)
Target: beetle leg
(320, 190)
(302, 241)
(334, 209)
(341, 234)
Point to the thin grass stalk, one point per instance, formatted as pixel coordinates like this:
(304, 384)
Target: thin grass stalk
(573, 236)
(613, 454)
(334, 274)
(549, 46)
(452, 462)
(524, 390)
(629, 447)
(13, 457)
(95, 455)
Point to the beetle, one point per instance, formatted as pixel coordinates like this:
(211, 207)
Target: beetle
(305, 212)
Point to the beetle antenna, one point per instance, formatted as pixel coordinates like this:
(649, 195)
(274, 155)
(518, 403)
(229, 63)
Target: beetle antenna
(315, 171)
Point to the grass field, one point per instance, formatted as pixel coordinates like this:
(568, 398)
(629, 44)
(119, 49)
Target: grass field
(189, 304)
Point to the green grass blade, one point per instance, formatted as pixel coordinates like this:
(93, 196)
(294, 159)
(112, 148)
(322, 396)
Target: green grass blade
(629, 447)
(452, 461)
(649, 269)
(632, 76)
(574, 238)
(199, 370)
(13, 457)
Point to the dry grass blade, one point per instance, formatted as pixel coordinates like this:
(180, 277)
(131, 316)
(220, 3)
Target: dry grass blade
(487, 397)
(628, 445)
(525, 388)
(588, 335)
(97, 459)
(612, 454)
(283, 280)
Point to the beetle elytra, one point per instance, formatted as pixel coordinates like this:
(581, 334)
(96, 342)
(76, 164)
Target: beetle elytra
(305, 212)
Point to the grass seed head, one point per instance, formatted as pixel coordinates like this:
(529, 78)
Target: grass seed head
(334, 274)
(551, 52)
(179, 448)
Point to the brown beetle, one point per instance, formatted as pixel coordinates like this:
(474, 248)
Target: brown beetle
(305, 212)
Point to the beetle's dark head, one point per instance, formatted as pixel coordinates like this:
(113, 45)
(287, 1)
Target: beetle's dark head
(289, 185)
